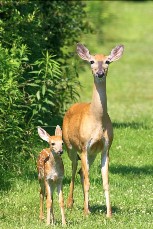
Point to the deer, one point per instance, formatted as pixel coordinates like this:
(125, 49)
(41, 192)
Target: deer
(51, 172)
(87, 127)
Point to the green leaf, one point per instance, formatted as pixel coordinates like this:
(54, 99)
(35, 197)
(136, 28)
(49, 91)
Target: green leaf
(43, 89)
(38, 95)
(34, 112)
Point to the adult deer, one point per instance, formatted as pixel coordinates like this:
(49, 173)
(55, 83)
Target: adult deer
(50, 172)
(87, 128)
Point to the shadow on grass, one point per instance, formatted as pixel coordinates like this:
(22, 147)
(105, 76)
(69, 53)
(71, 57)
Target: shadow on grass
(132, 125)
(129, 171)
(5, 184)
(8, 179)
(125, 170)
(102, 208)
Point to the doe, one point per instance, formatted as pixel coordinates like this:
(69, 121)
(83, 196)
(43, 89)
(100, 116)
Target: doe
(87, 128)
(51, 172)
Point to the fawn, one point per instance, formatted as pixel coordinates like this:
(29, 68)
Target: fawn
(51, 172)
(87, 128)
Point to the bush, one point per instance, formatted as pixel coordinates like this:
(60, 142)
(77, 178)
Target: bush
(27, 103)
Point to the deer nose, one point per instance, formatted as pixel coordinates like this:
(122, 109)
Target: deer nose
(100, 74)
(61, 152)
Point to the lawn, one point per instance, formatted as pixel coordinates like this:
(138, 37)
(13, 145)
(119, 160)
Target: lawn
(130, 105)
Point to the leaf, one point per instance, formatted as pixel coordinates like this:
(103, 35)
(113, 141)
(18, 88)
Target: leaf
(32, 84)
(39, 106)
(43, 89)
(38, 95)
(50, 102)
(34, 111)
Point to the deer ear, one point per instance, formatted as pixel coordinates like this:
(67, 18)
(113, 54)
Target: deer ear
(58, 131)
(116, 53)
(83, 52)
(43, 134)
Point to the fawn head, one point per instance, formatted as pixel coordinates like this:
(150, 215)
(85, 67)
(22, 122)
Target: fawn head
(99, 62)
(55, 142)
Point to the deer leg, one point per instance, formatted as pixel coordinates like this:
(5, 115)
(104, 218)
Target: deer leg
(49, 203)
(85, 181)
(42, 194)
(52, 188)
(104, 171)
(51, 210)
(61, 202)
(74, 168)
(90, 162)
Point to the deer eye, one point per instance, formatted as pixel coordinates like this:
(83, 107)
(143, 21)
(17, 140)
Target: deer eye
(92, 62)
(53, 143)
(107, 62)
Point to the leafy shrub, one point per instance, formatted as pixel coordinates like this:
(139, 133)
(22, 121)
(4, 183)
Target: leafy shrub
(35, 88)
(28, 99)
(43, 25)
(12, 104)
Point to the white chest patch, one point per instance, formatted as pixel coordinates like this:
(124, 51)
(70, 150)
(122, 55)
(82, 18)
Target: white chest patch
(54, 175)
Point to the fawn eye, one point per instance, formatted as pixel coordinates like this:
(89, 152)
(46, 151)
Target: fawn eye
(107, 62)
(53, 143)
(92, 62)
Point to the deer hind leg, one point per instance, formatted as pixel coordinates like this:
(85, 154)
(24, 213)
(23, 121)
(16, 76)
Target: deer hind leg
(42, 195)
(61, 202)
(104, 171)
(84, 174)
(70, 199)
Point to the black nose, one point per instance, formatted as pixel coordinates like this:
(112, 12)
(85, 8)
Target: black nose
(101, 75)
(61, 152)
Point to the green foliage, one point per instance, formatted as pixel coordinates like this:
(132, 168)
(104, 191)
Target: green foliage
(43, 25)
(27, 103)
(12, 105)
(37, 78)
(51, 88)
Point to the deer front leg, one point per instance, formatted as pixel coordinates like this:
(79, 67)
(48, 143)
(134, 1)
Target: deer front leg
(61, 202)
(49, 203)
(104, 171)
(84, 173)
(70, 200)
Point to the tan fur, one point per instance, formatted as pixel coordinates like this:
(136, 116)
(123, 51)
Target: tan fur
(87, 128)
(50, 174)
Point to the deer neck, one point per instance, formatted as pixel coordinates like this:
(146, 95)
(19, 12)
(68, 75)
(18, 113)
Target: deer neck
(98, 106)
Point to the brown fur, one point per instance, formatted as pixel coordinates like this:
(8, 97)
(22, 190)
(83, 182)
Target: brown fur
(87, 128)
(50, 173)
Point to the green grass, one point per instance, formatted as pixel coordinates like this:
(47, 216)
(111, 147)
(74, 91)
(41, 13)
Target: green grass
(129, 91)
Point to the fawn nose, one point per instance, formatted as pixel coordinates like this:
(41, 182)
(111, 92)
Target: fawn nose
(60, 152)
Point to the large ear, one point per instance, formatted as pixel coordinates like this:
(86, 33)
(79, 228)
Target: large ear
(116, 53)
(83, 52)
(58, 131)
(43, 134)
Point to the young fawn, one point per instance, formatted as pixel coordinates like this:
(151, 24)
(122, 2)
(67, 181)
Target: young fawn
(51, 172)
(87, 128)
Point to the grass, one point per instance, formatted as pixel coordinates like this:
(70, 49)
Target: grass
(129, 90)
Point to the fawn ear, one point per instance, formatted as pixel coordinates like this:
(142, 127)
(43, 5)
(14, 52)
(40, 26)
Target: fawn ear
(116, 53)
(83, 52)
(43, 134)
(58, 131)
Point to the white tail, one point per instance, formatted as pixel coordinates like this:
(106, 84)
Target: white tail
(51, 172)
(87, 128)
